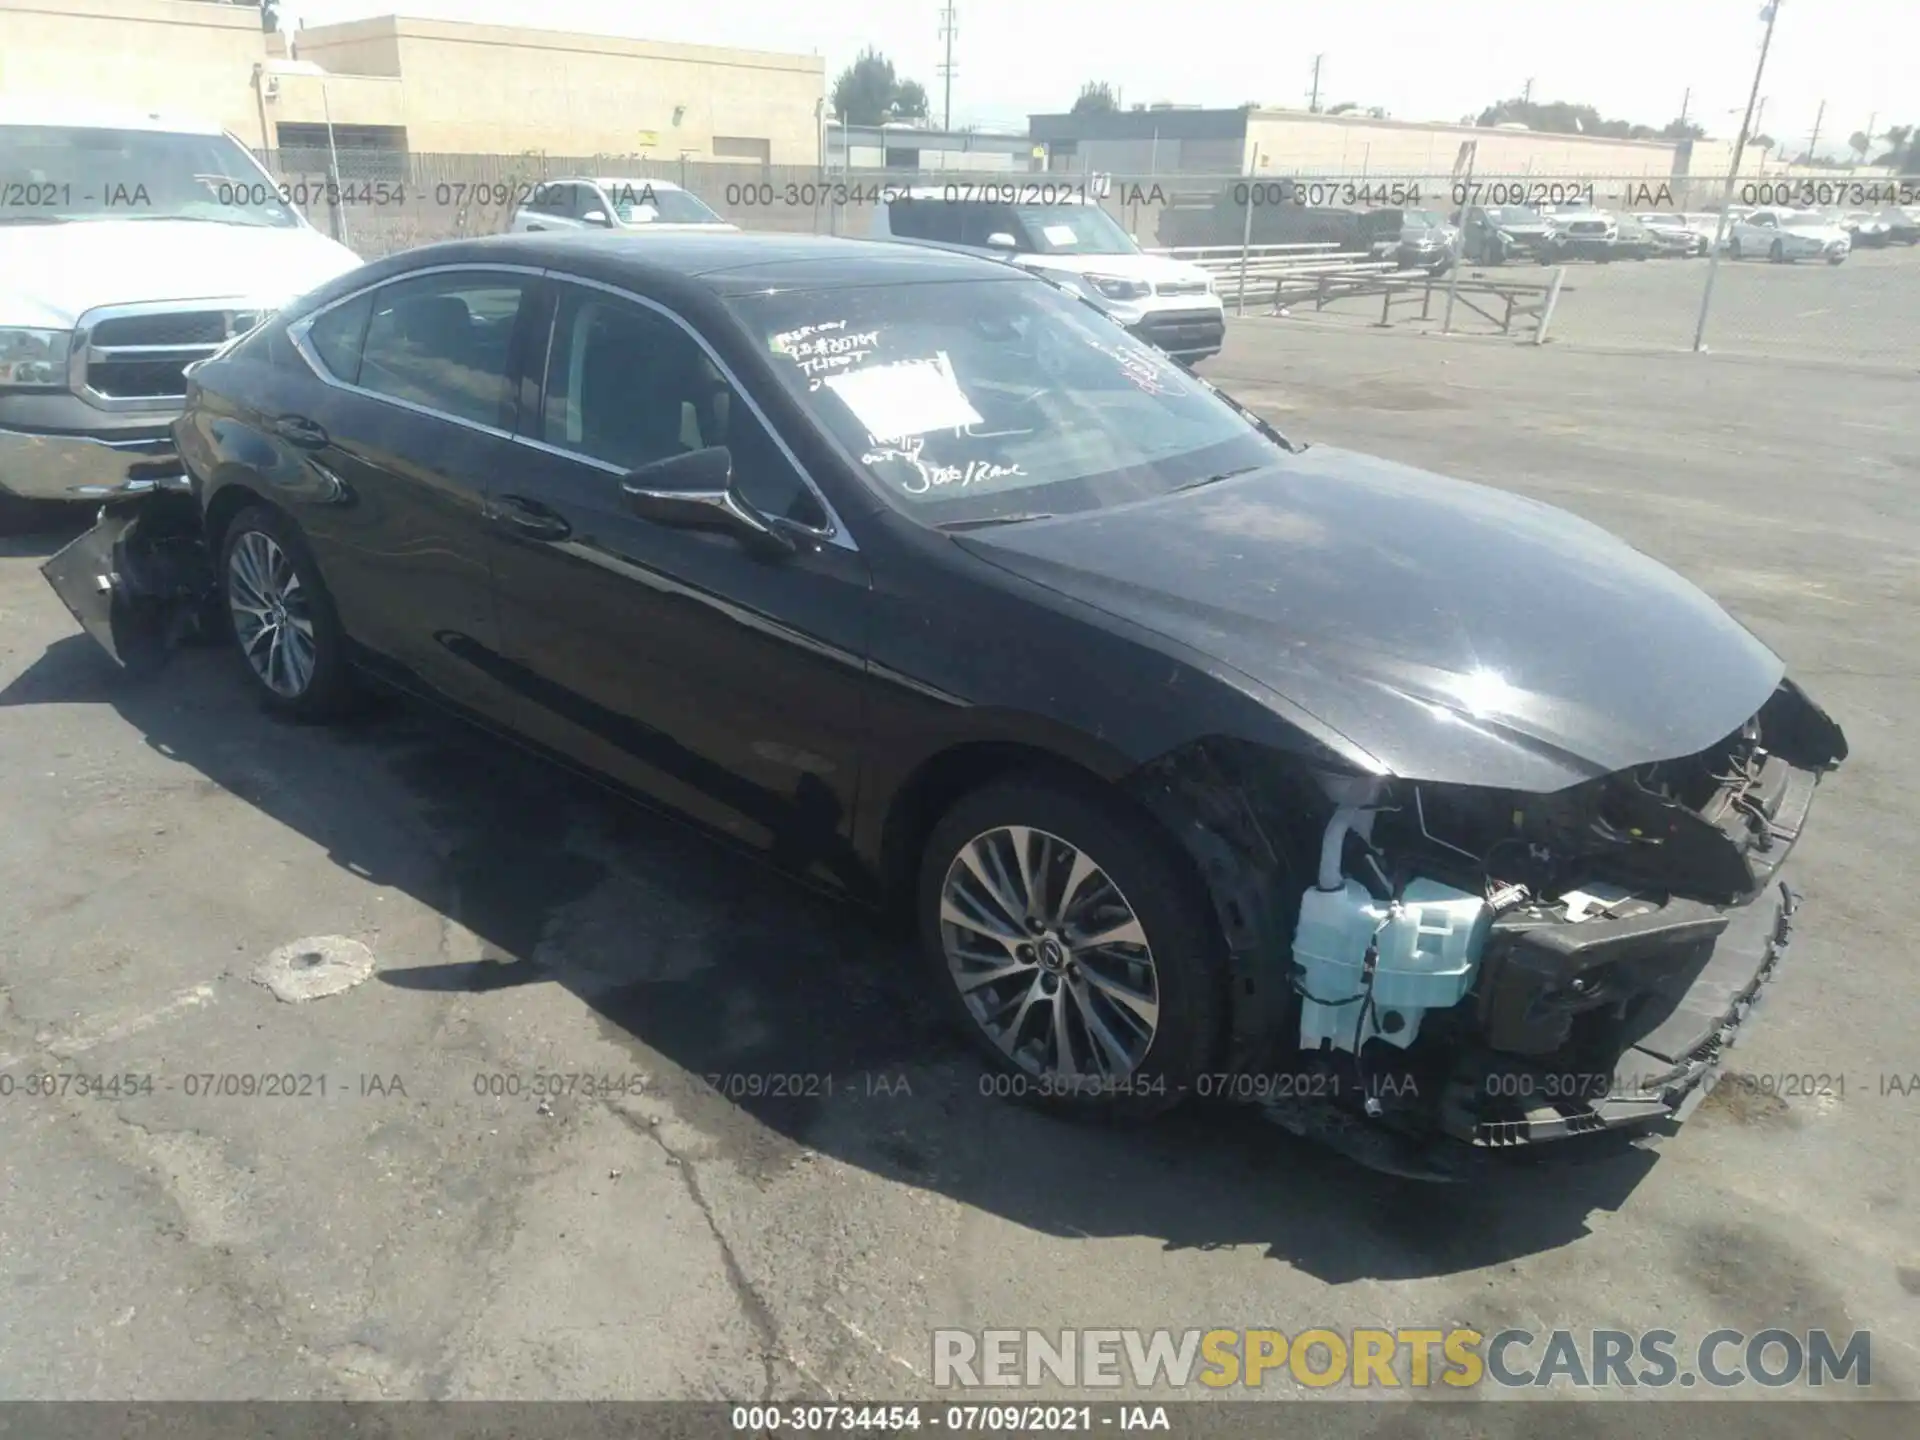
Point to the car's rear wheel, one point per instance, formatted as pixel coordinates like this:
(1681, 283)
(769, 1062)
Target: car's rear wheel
(1733, 249)
(1778, 253)
(1072, 946)
(282, 618)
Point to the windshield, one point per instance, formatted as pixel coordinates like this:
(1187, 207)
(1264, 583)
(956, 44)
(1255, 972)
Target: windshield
(638, 202)
(1427, 219)
(1803, 219)
(966, 400)
(1073, 230)
(52, 173)
(1513, 215)
(1662, 222)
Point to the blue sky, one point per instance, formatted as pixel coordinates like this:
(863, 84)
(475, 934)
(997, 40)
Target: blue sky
(1632, 59)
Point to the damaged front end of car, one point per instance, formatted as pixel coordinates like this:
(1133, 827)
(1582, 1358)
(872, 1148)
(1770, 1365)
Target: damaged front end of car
(1424, 974)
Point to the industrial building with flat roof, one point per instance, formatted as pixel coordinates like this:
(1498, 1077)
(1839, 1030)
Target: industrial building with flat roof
(423, 86)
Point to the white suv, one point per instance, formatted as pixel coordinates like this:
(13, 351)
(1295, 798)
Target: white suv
(1070, 240)
(1784, 236)
(614, 203)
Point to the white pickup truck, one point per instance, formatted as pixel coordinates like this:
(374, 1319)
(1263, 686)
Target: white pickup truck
(131, 245)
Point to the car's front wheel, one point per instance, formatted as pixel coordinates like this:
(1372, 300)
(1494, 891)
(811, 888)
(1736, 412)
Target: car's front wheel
(282, 617)
(1072, 946)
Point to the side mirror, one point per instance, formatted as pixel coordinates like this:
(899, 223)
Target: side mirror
(695, 491)
(1000, 240)
(597, 217)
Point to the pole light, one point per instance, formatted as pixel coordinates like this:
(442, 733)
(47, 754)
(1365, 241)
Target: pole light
(1769, 13)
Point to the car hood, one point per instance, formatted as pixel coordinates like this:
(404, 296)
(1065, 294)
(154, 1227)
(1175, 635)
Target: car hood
(52, 274)
(1446, 631)
(1157, 269)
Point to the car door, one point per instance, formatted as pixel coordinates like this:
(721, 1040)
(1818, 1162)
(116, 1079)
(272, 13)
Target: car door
(724, 683)
(587, 203)
(412, 424)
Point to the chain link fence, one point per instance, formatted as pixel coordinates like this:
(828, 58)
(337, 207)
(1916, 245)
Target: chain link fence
(1320, 248)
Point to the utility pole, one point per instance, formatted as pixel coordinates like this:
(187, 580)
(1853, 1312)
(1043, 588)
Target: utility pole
(1813, 145)
(1872, 120)
(1685, 100)
(1770, 14)
(1526, 92)
(947, 28)
(1313, 96)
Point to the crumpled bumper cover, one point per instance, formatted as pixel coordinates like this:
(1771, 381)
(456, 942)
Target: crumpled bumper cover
(1676, 1058)
(82, 469)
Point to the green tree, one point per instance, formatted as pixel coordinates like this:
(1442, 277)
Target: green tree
(1557, 117)
(1344, 107)
(867, 92)
(1682, 130)
(1899, 151)
(269, 15)
(1095, 98)
(910, 101)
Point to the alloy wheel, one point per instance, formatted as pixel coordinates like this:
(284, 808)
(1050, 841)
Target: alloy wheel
(1048, 955)
(271, 615)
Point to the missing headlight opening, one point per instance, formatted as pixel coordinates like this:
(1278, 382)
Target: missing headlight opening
(1500, 967)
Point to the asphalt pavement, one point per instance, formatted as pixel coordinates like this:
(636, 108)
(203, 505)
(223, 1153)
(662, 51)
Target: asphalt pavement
(755, 1164)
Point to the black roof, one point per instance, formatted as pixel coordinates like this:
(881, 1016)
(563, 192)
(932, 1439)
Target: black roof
(726, 262)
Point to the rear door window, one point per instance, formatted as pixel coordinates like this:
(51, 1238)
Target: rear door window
(441, 341)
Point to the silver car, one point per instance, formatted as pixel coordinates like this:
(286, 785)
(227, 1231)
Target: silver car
(614, 203)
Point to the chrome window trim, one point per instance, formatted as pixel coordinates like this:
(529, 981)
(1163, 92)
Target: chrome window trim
(297, 336)
(834, 532)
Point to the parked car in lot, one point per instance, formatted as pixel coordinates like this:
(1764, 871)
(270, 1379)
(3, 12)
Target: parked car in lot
(131, 244)
(1631, 239)
(1903, 224)
(1675, 235)
(1495, 234)
(1189, 748)
(1074, 242)
(1784, 236)
(1864, 228)
(1412, 239)
(614, 203)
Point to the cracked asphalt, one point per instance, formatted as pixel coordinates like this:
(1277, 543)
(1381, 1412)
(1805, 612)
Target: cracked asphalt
(417, 1220)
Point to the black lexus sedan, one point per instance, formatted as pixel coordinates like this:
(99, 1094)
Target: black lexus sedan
(1205, 761)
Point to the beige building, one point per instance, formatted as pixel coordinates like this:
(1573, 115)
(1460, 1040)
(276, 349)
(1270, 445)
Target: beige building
(426, 86)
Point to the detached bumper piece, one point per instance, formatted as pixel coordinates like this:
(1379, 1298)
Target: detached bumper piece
(38, 466)
(139, 581)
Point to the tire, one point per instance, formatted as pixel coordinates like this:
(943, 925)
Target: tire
(1836, 259)
(265, 564)
(1778, 253)
(1733, 249)
(1135, 871)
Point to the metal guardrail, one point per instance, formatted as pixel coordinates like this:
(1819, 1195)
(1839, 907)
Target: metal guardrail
(1319, 271)
(1239, 271)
